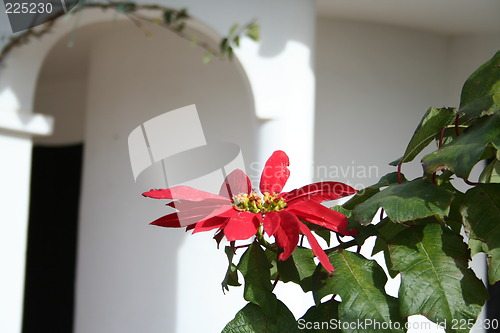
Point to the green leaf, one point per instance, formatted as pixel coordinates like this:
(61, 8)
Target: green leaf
(318, 318)
(477, 246)
(360, 283)
(125, 7)
(386, 230)
(454, 218)
(251, 319)
(168, 16)
(481, 92)
(233, 29)
(430, 125)
(435, 279)
(224, 44)
(236, 41)
(299, 268)
(491, 174)
(231, 277)
(481, 215)
(405, 202)
(464, 152)
(368, 192)
(182, 14)
(255, 268)
(207, 58)
(253, 31)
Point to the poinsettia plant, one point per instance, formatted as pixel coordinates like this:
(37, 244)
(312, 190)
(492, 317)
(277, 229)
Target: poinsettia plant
(418, 225)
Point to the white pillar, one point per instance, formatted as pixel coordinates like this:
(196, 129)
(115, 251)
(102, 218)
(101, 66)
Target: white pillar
(15, 168)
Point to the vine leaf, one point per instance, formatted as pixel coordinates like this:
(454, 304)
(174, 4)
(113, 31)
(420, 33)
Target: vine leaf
(481, 215)
(360, 283)
(481, 92)
(480, 141)
(253, 31)
(431, 124)
(299, 268)
(255, 267)
(435, 279)
(406, 202)
(252, 319)
(319, 314)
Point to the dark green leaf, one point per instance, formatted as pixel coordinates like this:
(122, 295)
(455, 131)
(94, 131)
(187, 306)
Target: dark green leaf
(318, 318)
(324, 233)
(491, 174)
(481, 92)
(454, 218)
(251, 319)
(368, 192)
(386, 230)
(224, 43)
(430, 125)
(168, 16)
(182, 14)
(298, 268)
(236, 41)
(405, 202)
(272, 257)
(255, 267)
(180, 27)
(360, 283)
(435, 279)
(481, 215)
(464, 152)
(231, 278)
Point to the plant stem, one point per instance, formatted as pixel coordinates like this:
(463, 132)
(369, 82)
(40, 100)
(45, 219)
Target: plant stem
(400, 181)
(276, 282)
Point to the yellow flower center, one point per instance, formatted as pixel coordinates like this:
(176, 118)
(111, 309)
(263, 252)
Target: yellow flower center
(255, 204)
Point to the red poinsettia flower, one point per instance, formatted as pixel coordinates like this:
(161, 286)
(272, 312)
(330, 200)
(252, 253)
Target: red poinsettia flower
(238, 212)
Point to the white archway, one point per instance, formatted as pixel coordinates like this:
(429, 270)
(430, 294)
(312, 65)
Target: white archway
(168, 74)
(281, 80)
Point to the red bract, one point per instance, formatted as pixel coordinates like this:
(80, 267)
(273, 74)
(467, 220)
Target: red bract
(238, 212)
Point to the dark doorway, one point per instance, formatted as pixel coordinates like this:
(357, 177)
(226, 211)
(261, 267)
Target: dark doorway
(52, 236)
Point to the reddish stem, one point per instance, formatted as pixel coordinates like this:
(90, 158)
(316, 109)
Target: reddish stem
(456, 125)
(441, 137)
(468, 182)
(434, 180)
(381, 214)
(400, 181)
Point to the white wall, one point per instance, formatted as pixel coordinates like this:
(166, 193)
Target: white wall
(65, 100)
(374, 83)
(133, 277)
